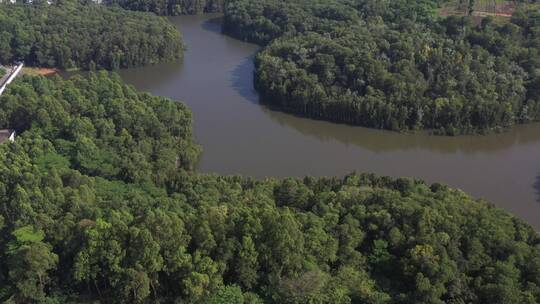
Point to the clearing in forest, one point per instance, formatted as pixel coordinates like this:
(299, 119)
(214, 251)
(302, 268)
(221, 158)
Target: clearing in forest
(479, 8)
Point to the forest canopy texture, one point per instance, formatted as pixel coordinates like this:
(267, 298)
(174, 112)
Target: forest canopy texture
(395, 65)
(98, 202)
(70, 35)
(171, 7)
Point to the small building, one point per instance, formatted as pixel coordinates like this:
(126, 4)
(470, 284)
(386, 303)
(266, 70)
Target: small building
(6, 135)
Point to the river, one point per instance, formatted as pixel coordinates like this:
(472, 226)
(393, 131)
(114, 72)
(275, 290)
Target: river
(240, 136)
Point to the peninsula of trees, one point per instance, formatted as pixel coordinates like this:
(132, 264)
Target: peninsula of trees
(98, 201)
(69, 35)
(395, 65)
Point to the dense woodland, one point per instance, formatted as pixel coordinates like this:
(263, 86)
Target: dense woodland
(393, 64)
(171, 7)
(98, 202)
(70, 35)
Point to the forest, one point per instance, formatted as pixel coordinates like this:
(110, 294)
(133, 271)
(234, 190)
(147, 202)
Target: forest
(99, 202)
(70, 35)
(394, 65)
(171, 7)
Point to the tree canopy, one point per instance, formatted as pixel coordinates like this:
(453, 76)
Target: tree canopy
(71, 35)
(171, 7)
(393, 64)
(98, 201)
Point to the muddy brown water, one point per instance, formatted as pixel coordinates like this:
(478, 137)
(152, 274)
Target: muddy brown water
(240, 136)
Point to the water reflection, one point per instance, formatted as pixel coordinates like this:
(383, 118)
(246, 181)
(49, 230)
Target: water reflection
(212, 24)
(242, 81)
(536, 186)
(386, 141)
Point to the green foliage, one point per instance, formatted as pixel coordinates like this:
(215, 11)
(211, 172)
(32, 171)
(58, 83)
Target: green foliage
(263, 21)
(69, 35)
(29, 261)
(227, 295)
(171, 7)
(77, 228)
(101, 127)
(26, 235)
(53, 161)
(385, 64)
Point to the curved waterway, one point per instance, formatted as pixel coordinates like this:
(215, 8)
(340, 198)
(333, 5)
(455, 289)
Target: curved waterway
(239, 136)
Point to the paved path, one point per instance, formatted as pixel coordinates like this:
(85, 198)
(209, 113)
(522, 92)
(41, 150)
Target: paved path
(485, 14)
(3, 79)
(10, 75)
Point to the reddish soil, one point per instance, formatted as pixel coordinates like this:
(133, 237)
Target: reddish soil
(44, 71)
(505, 9)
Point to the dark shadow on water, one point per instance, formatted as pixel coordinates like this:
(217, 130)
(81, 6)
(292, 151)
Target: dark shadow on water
(213, 25)
(536, 187)
(242, 80)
